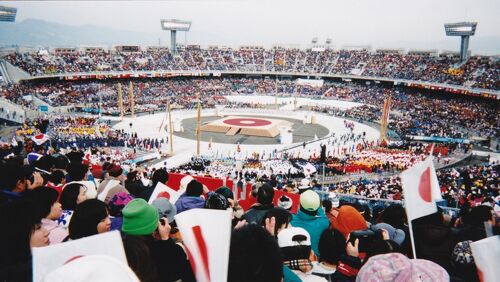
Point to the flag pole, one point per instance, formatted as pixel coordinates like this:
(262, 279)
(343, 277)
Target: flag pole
(171, 128)
(412, 239)
(198, 122)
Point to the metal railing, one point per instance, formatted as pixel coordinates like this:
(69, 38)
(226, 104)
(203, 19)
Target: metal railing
(385, 202)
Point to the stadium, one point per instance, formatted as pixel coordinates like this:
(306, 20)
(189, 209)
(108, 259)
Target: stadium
(193, 162)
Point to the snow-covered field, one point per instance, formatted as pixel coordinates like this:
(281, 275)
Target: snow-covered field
(149, 126)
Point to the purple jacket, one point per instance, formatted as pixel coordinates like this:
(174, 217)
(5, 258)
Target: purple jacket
(185, 203)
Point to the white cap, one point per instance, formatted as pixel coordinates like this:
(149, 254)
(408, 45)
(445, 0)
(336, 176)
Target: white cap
(293, 236)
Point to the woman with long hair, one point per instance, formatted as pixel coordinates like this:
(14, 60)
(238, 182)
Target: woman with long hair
(90, 217)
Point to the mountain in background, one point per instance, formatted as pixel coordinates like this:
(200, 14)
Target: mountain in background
(34, 32)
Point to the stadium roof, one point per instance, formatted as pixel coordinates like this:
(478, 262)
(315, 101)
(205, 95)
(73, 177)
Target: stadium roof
(7, 14)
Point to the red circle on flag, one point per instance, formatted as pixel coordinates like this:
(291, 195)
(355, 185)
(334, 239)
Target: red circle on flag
(247, 122)
(424, 188)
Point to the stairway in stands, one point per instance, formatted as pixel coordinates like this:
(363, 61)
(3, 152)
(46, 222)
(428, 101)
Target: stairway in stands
(4, 75)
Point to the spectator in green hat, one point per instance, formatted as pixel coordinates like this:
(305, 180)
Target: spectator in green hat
(142, 220)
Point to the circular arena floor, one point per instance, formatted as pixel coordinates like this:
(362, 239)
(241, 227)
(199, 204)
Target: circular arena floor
(154, 126)
(301, 132)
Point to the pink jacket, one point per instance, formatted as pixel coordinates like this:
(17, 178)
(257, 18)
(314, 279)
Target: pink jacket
(56, 232)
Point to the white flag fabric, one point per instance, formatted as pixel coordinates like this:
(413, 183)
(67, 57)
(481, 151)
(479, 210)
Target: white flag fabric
(309, 169)
(206, 234)
(420, 189)
(46, 259)
(160, 187)
(485, 253)
(39, 139)
(14, 141)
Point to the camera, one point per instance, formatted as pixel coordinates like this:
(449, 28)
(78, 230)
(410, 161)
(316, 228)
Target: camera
(367, 238)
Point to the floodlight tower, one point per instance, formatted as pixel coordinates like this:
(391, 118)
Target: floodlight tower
(328, 42)
(174, 25)
(7, 14)
(464, 30)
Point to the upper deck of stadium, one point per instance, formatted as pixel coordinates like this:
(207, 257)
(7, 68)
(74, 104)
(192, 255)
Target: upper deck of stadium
(429, 69)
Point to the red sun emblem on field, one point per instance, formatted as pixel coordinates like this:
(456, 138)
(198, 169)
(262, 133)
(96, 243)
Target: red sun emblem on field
(247, 122)
(424, 188)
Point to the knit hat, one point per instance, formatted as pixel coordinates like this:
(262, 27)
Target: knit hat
(216, 202)
(118, 202)
(396, 235)
(225, 191)
(398, 268)
(165, 208)
(139, 218)
(285, 202)
(348, 220)
(93, 268)
(309, 200)
(194, 188)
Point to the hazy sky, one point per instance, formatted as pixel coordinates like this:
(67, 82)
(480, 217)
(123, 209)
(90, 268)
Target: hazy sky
(382, 23)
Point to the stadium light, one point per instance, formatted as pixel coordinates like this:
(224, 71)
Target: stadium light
(7, 14)
(465, 30)
(174, 25)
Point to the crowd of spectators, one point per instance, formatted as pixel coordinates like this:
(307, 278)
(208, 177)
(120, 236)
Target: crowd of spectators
(60, 198)
(413, 113)
(62, 194)
(71, 131)
(468, 186)
(478, 71)
(73, 185)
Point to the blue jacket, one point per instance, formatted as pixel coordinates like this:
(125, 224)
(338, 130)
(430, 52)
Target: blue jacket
(185, 203)
(314, 225)
(289, 276)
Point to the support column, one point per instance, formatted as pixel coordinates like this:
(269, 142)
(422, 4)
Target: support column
(276, 94)
(131, 99)
(198, 127)
(171, 129)
(464, 47)
(120, 100)
(173, 43)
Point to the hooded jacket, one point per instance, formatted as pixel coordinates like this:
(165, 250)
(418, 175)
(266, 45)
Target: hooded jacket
(314, 225)
(185, 202)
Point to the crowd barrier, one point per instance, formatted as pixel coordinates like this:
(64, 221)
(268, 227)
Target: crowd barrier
(242, 194)
(174, 181)
(372, 203)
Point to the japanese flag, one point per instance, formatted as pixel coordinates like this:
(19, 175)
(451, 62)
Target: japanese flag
(206, 234)
(88, 154)
(39, 139)
(420, 189)
(160, 187)
(485, 253)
